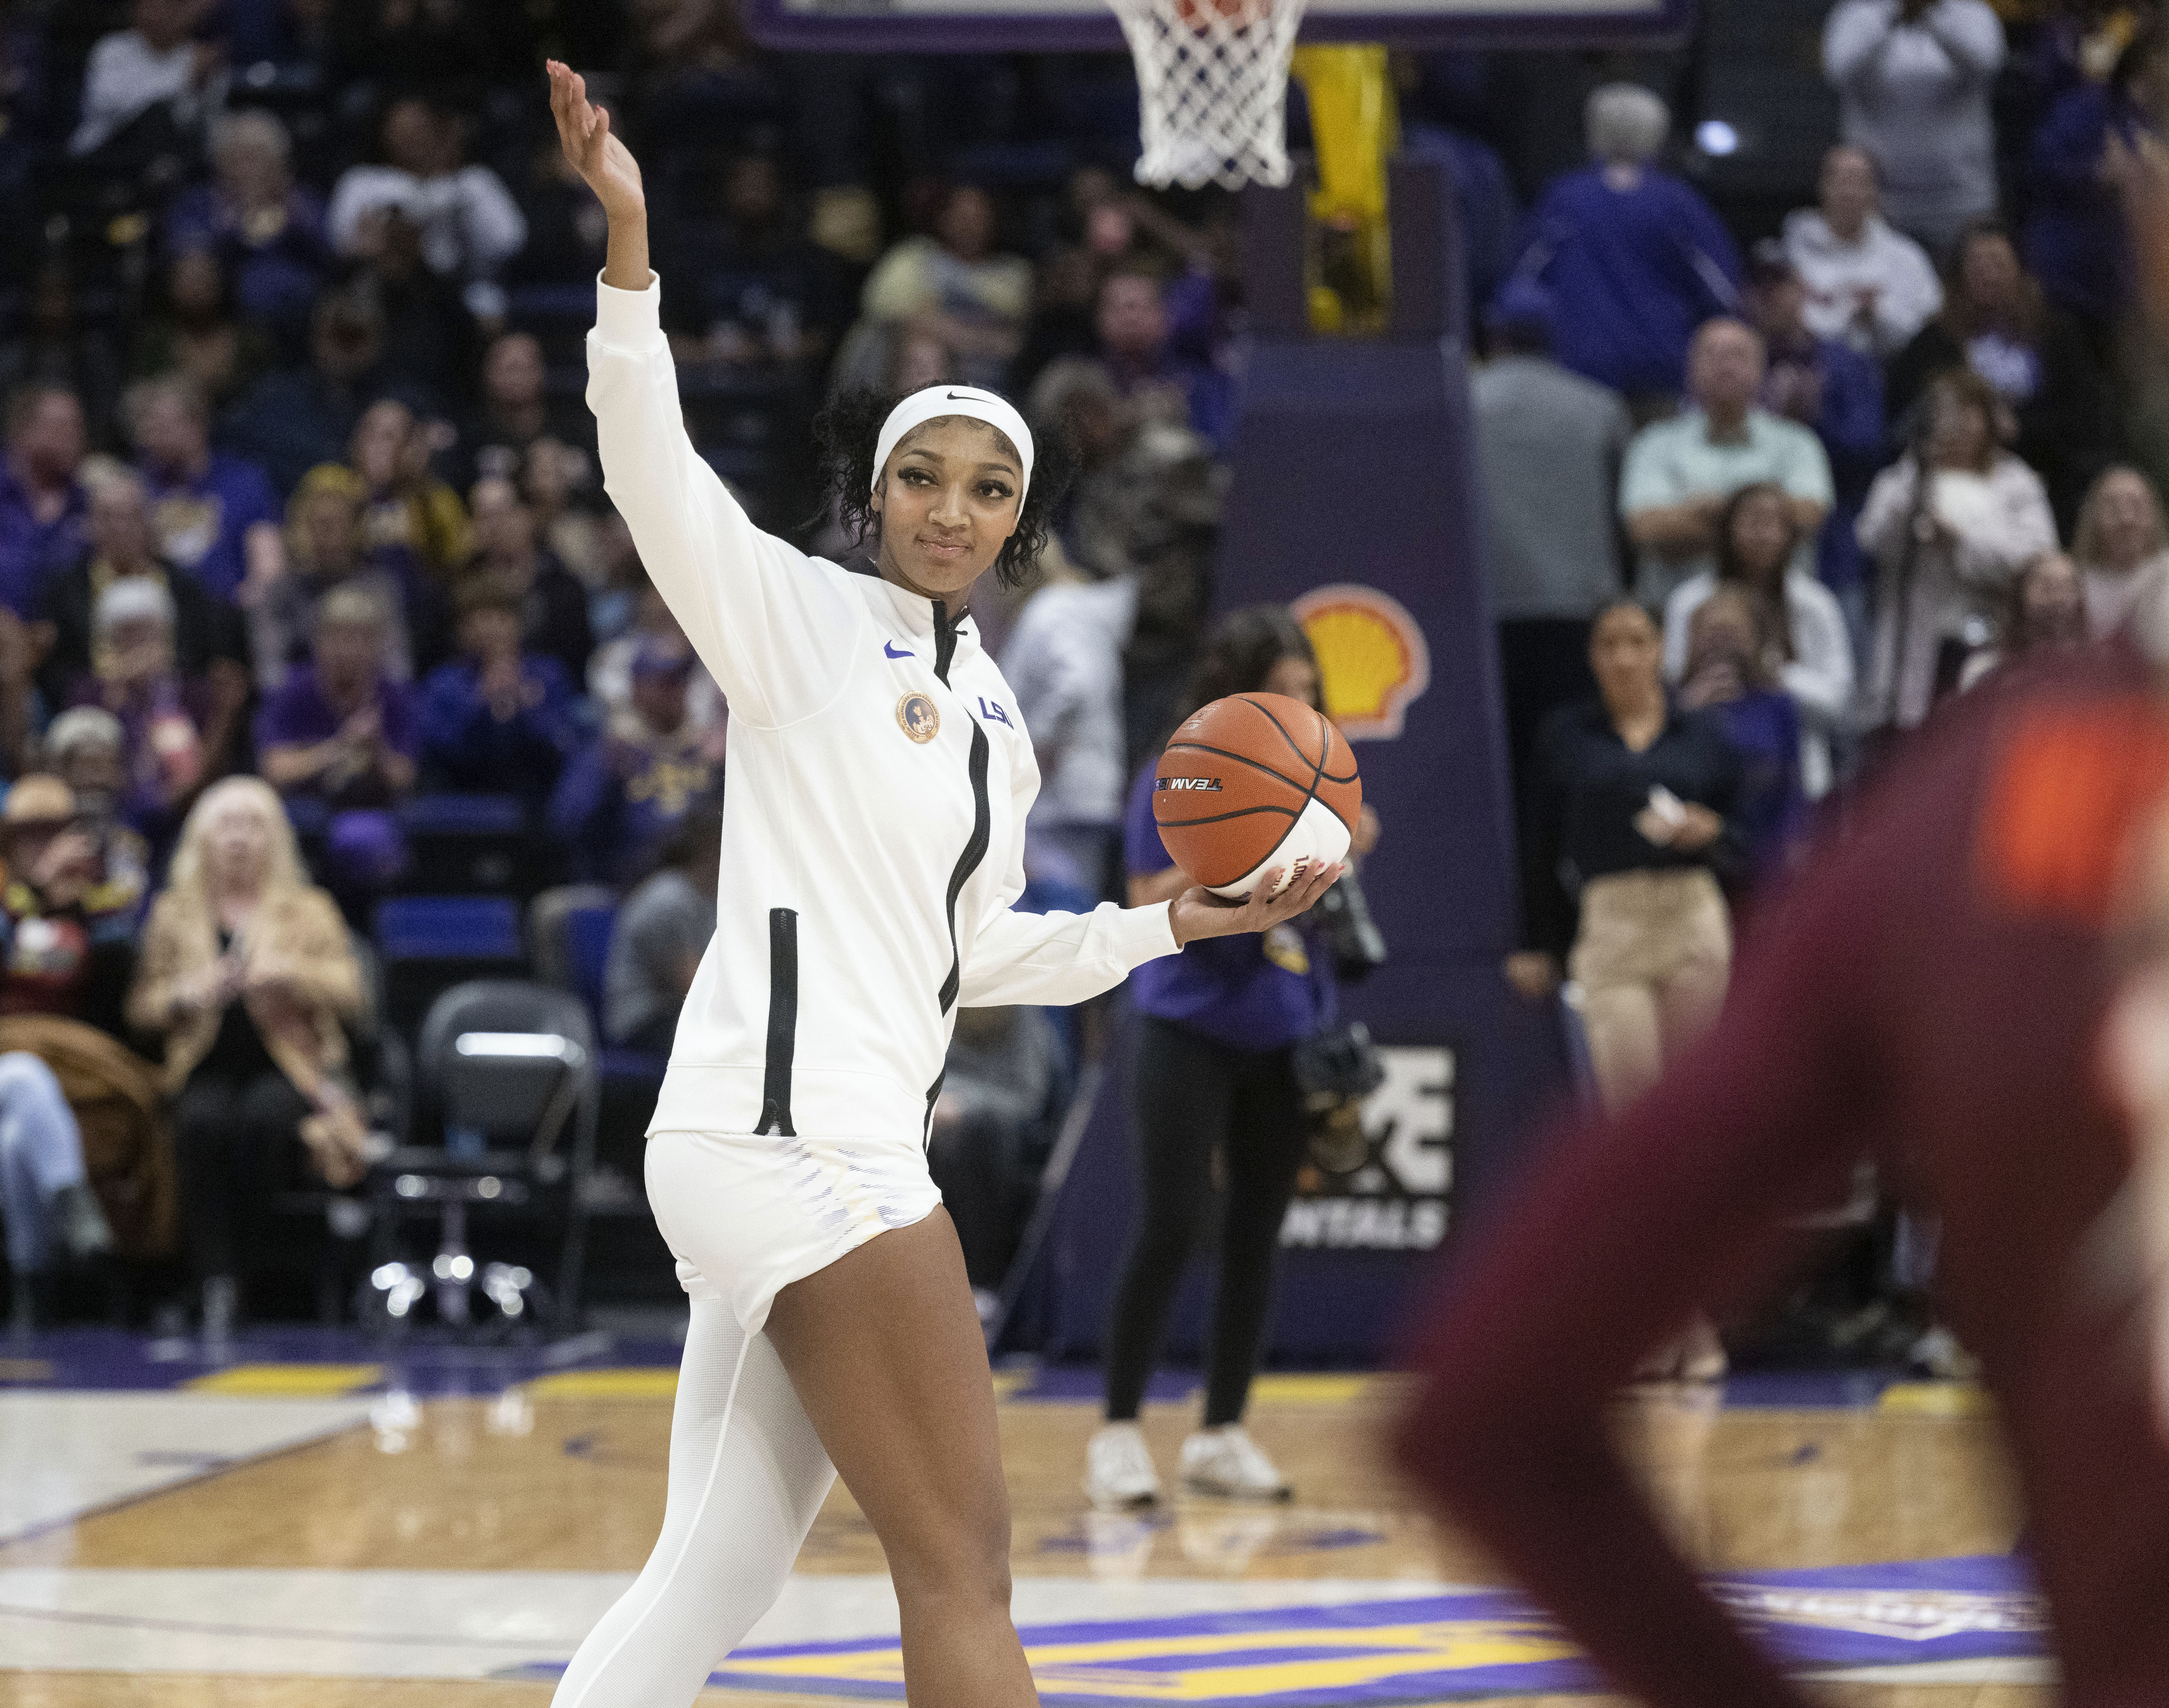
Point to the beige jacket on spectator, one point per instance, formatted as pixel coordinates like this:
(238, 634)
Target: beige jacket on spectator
(1992, 526)
(297, 936)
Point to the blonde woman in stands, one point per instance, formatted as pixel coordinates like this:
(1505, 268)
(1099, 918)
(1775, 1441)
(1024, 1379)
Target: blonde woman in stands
(2121, 547)
(246, 972)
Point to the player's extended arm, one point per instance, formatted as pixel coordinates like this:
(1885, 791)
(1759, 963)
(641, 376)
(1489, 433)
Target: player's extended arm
(1624, 1229)
(774, 629)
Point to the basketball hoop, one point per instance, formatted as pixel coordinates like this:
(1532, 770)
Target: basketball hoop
(1211, 84)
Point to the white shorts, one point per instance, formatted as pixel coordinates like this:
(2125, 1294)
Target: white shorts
(746, 1215)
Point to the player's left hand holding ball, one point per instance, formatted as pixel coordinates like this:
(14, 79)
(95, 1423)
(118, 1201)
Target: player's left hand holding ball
(1199, 913)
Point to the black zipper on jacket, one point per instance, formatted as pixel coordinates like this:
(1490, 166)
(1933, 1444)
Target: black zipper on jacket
(782, 1022)
(975, 849)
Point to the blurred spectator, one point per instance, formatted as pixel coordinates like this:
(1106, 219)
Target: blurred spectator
(567, 241)
(247, 975)
(1064, 658)
(469, 225)
(197, 331)
(46, 1197)
(2076, 243)
(662, 929)
(1130, 328)
(87, 749)
(324, 552)
(341, 732)
(1549, 446)
(1733, 660)
(988, 1134)
(496, 719)
(290, 422)
(2121, 548)
(1809, 652)
(2047, 611)
(43, 506)
(1913, 79)
(1946, 551)
(1634, 258)
(205, 633)
(67, 919)
(1680, 474)
(752, 292)
(216, 516)
(267, 231)
(559, 481)
(516, 411)
(954, 284)
(1632, 818)
(407, 507)
(153, 63)
(67, 338)
(1995, 322)
(609, 670)
(176, 733)
(1829, 387)
(552, 602)
(432, 344)
(1867, 286)
(626, 792)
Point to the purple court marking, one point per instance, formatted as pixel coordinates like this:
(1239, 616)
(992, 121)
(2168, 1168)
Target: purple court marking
(1486, 1643)
(117, 1361)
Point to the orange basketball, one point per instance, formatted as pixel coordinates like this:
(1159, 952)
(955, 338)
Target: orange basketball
(1253, 780)
(1198, 14)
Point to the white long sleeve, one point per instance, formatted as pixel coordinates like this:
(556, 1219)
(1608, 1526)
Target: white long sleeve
(774, 626)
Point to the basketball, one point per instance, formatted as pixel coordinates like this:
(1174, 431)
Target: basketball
(1256, 781)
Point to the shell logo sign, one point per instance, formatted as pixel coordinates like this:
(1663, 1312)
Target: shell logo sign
(1372, 661)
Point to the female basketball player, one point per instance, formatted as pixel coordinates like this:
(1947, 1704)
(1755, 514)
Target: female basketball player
(873, 838)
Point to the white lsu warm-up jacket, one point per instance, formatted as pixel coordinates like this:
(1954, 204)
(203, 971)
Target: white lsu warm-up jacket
(875, 793)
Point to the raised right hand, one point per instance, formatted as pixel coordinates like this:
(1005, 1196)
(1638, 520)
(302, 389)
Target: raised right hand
(584, 131)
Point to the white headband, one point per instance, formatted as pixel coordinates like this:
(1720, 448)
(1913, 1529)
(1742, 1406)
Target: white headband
(938, 400)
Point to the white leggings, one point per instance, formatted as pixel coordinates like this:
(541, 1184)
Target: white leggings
(747, 1477)
(745, 1217)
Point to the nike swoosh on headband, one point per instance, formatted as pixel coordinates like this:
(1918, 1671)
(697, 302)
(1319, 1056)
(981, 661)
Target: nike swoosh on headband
(889, 650)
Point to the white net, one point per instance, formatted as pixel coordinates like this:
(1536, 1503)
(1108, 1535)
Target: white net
(1212, 81)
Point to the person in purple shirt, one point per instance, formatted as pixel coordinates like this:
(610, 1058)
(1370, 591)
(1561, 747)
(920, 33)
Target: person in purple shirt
(1214, 1071)
(1634, 256)
(42, 505)
(267, 231)
(339, 731)
(496, 720)
(1133, 327)
(2076, 243)
(631, 787)
(216, 516)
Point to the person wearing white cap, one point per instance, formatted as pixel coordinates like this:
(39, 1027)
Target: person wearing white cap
(873, 836)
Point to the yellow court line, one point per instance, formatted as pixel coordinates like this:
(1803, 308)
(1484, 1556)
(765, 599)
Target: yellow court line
(1937, 1400)
(1309, 1390)
(631, 1384)
(289, 1380)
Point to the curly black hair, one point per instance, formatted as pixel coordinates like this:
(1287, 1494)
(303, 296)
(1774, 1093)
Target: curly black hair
(845, 435)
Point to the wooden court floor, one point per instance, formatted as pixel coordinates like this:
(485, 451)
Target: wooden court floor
(567, 1477)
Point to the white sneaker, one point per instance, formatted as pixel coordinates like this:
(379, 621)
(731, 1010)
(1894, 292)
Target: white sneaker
(1118, 1469)
(1227, 1462)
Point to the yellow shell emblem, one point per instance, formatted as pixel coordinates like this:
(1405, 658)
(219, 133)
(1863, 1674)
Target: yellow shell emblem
(1372, 661)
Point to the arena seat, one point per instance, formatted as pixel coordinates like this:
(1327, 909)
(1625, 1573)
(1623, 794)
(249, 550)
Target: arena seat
(468, 844)
(507, 1087)
(430, 943)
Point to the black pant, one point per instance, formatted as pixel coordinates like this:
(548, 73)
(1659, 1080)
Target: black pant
(977, 1161)
(237, 1142)
(1193, 1096)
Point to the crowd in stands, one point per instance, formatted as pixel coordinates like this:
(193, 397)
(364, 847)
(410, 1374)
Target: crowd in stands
(298, 483)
